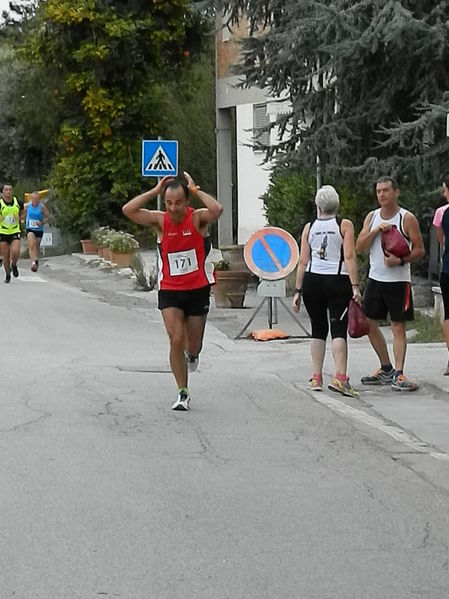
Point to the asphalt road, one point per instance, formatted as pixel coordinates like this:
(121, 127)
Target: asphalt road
(260, 491)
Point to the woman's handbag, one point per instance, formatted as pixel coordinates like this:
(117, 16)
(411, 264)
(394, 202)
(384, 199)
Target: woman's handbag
(357, 322)
(394, 243)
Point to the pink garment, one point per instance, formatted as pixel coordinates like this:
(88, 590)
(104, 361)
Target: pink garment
(438, 217)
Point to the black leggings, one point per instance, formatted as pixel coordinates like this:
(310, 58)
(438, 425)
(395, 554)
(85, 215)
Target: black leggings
(444, 286)
(325, 294)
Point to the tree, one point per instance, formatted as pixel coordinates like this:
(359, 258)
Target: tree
(367, 81)
(110, 60)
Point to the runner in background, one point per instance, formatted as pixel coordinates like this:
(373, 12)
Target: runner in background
(36, 215)
(11, 212)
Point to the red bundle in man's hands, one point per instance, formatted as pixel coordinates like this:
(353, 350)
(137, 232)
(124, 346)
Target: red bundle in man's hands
(394, 243)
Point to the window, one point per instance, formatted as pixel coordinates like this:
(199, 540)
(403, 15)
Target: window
(261, 120)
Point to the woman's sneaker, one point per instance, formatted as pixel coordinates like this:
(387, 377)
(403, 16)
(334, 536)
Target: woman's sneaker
(315, 384)
(380, 377)
(343, 387)
(401, 383)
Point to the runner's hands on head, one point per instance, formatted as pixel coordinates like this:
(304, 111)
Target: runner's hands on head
(160, 187)
(190, 184)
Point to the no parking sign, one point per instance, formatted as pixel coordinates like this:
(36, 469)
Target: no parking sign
(271, 253)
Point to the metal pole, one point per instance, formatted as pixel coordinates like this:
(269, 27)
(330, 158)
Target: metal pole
(159, 196)
(318, 173)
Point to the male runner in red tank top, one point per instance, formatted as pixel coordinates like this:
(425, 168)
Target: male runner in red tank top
(185, 268)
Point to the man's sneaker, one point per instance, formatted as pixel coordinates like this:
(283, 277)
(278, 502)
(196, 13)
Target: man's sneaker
(401, 383)
(8, 278)
(34, 266)
(182, 403)
(345, 388)
(192, 362)
(15, 270)
(315, 384)
(380, 377)
(37, 264)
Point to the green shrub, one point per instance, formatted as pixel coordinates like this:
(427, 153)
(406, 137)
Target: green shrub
(121, 242)
(290, 201)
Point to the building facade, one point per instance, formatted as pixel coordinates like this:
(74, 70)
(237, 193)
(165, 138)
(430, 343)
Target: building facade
(241, 114)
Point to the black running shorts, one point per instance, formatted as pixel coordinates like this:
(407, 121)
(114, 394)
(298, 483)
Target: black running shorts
(381, 299)
(193, 302)
(37, 233)
(9, 238)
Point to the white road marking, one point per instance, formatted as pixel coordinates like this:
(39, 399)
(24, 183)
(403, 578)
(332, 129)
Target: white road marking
(30, 279)
(390, 429)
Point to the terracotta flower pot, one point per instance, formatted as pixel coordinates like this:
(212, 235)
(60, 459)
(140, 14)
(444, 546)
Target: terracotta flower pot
(88, 246)
(122, 260)
(107, 254)
(230, 288)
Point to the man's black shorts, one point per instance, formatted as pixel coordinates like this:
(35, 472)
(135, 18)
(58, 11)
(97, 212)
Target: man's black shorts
(37, 233)
(381, 299)
(9, 238)
(193, 302)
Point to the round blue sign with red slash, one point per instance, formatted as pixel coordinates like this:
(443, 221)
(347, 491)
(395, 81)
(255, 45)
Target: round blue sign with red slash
(271, 253)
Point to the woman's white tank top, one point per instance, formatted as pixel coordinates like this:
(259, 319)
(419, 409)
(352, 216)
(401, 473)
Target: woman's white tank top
(326, 247)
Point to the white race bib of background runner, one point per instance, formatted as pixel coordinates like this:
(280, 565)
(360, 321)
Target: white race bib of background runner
(181, 263)
(33, 223)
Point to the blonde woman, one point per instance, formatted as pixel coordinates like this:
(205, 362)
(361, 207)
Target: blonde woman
(327, 279)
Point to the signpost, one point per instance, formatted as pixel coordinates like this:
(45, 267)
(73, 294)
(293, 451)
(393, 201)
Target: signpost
(271, 254)
(159, 159)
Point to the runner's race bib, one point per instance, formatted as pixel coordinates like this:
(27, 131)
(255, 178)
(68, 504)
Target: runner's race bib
(33, 223)
(10, 219)
(181, 263)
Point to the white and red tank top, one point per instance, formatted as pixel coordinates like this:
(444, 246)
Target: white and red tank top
(184, 256)
(378, 269)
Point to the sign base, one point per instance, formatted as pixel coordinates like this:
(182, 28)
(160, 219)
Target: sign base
(272, 317)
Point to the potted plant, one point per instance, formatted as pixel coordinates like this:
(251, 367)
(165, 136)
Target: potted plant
(88, 245)
(99, 236)
(230, 288)
(122, 246)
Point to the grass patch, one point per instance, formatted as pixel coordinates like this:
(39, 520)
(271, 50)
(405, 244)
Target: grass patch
(428, 329)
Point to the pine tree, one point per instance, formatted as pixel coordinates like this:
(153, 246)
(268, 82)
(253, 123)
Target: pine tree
(368, 82)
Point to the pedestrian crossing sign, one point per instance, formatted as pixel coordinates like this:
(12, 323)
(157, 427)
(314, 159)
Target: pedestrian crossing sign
(159, 157)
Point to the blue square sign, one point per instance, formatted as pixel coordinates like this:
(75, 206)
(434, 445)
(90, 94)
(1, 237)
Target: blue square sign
(159, 157)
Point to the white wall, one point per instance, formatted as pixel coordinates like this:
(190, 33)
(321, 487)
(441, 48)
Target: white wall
(252, 177)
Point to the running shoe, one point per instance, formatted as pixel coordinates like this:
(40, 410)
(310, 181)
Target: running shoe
(343, 387)
(34, 266)
(192, 362)
(182, 402)
(15, 270)
(401, 383)
(8, 278)
(315, 384)
(379, 377)
(37, 264)
(446, 372)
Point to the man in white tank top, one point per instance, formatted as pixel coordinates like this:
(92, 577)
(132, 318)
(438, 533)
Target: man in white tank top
(388, 289)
